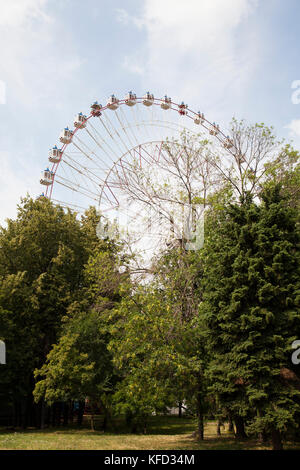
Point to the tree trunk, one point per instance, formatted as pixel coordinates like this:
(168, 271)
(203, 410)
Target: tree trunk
(40, 415)
(200, 427)
(58, 415)
(219, 427)
(26, 421)
(230, 427)
(200, 418)
(71, 412)
(200, 415)
(144, 424)
(48, 416)
(80, 413)
(262, 437)
(240, 429)
(179, 409)
(53, 415)
(17, 414)
(276, 440)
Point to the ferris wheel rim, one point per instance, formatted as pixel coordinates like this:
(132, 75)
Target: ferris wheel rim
(191, 114)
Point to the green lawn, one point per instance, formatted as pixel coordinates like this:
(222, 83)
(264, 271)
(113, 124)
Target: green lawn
(164, 433)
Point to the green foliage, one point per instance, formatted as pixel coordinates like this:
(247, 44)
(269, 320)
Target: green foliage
(251, 309)
(80, 365)
(157, 341)
(41, 259)
(212, 328)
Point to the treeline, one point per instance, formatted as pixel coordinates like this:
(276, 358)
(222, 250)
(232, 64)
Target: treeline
(212, 331)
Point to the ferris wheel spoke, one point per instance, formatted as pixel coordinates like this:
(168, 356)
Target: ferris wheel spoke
(111, 134)
(113, 152)
(99, 139)
(140, 119)
(135, 118)
(62, 203)
(84, 173)
(83, 152)
(130, 127)
(87, 147)
(65, 172)
(71, 187)
(76, 186)
(89, 170)
(123, 127)
(115, 132)
(112, 193)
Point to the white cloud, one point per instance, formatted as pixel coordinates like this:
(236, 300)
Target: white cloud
(132, 65)
(124, 18)
(196, 50)
(294, 127)
(18, 12)
(35, 61)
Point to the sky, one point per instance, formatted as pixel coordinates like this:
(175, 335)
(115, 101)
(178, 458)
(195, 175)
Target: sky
(225, 57)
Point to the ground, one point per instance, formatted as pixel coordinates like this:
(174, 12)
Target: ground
(164, 433)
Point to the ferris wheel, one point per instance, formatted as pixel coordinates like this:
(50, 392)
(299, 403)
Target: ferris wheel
(123, 146)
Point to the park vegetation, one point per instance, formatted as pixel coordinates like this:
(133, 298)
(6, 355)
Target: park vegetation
(211, 330)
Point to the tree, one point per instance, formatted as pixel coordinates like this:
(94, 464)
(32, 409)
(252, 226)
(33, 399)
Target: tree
(80, 365)
(41, 261)
(158, 345)
(251, 310)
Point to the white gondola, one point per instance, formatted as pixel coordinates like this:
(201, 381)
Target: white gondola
(228, 144)
(66, 135)
(214, 129)
(113, 103)
(80, 120)
(199, 119)
(47, 177)
(95, 109)
(130, 99)
(148, 99)
(182, 108)
(166, 103)
(54, 155)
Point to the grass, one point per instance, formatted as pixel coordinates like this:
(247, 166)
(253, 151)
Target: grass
(164, 433)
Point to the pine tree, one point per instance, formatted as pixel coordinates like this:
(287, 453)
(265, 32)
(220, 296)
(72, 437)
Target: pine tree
(252, 311)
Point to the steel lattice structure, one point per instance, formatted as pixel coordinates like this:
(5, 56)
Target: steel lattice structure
(97, 159)
(101, 141)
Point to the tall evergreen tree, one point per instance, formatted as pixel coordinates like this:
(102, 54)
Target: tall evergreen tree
(252, 311)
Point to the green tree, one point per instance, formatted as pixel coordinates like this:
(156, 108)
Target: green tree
(251, 308)
(158, 345)
(41, 263)
(80, 365)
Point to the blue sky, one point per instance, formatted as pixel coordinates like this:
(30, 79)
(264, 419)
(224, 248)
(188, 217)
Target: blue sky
(226, 57)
